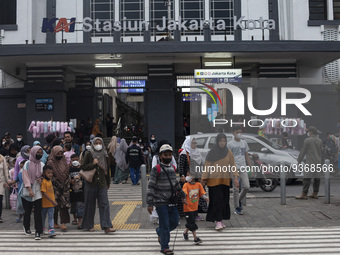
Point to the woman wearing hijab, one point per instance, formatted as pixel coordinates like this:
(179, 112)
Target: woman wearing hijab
(3, 181)
(12, 155)
(97, 158)
(218, 169)
(61, 185)
(24, 155)
(45, 156)
(111, 149)
(122, 167)
(31, 175)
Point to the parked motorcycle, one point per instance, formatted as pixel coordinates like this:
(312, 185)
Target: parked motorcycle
(262, 178)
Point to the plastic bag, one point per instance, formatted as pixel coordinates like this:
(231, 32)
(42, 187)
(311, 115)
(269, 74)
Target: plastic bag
(13, 200)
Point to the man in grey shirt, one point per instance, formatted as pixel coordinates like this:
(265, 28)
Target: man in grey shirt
(312, 147)
(240, 148)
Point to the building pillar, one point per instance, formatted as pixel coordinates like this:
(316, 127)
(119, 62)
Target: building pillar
(45, 86)
(160, 103)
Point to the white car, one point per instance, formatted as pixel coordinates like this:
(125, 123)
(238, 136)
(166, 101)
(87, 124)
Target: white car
(268, 151)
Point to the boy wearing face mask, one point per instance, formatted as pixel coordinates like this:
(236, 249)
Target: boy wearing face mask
(77, 192)
(240, 149)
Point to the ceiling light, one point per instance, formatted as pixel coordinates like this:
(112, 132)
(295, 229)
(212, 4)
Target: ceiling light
(218, 63)
(108, 65)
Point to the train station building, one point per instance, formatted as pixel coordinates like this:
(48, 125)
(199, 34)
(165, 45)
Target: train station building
(136, 60)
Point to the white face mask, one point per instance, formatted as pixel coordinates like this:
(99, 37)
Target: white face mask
(88, 147)
(75, 163)
(308, 134)
(19, 139)
(98, 147)
(3, 143)
(238, 136)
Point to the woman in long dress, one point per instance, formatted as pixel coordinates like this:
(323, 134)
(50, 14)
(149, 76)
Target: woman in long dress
(215, 176)
(122, 167)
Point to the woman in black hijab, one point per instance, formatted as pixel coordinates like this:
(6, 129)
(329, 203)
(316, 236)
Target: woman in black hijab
(218, 169)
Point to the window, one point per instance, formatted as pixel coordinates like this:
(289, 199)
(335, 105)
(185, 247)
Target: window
(336, 9)
(317, 9)
(254, 146)
(158, 10)
(223, 10)
(192, 10)
(102, 10)
(8, 12)
(133, 11)
(201, 142)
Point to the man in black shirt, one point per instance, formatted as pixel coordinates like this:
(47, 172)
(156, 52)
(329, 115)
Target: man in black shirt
(134, 156)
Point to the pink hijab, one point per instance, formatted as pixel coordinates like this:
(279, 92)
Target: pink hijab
(34, 168)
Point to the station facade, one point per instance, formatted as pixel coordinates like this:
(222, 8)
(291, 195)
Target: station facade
(136, 60)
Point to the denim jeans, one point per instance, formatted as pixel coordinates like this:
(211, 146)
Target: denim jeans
(168, 221)
(134, 174)
(77, 208)
(50, 214)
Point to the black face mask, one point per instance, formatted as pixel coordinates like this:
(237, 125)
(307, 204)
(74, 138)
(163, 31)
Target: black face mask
(167, 160)
(38, 157)
(59, 157)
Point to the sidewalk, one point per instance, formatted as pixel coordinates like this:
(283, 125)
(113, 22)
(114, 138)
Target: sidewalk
(259, 212)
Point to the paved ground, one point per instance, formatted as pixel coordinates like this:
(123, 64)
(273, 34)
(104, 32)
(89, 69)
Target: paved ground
(267, 227)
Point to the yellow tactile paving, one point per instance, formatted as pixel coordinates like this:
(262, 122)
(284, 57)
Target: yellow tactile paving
(119, 222)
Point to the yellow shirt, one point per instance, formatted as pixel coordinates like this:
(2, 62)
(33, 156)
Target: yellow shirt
(47, 187)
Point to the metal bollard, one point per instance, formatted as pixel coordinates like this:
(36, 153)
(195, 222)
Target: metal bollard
(327, 183)
(144, 184)
(283, 187)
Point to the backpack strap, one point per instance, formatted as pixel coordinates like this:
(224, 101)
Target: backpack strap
(158, 169)
(174, 167)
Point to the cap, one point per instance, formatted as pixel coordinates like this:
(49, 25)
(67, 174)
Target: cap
(7, 133)
(189, 178)
(165, 147)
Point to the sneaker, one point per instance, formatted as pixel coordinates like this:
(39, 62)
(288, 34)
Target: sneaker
(17, 220)
(223, 224)
(238, 211)
(51, 233)
(198, 240)
(37, 236)
(1, 220)
(27, 232)
(199, 218)
(185, 236)
(218, 225)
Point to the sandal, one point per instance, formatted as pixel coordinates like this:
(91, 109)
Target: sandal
(167, 252)
(109, 230)
(75, 222)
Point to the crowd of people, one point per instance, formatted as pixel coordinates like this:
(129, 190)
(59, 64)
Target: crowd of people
(62, 179)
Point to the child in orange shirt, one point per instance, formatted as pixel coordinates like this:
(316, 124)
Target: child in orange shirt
(193, 190)
(48, 200)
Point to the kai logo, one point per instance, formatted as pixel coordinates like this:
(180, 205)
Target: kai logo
(62, 25)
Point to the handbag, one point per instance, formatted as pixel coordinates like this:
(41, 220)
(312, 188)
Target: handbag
(13, 199)
(88, 175)
(26, 192)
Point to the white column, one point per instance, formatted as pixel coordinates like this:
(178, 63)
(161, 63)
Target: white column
(177, 8)
(117, 10)
(330, 13)
(206, 7)
(147, 10)
(29, 21)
